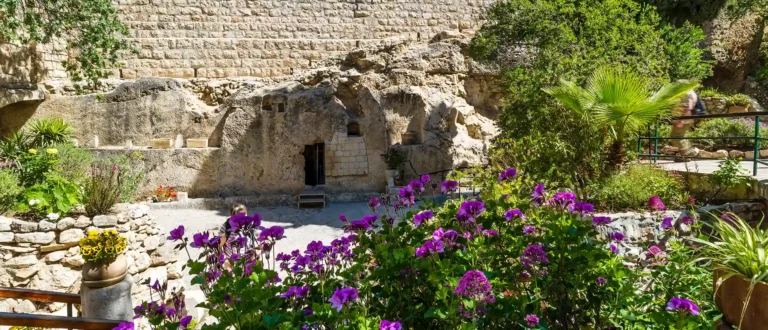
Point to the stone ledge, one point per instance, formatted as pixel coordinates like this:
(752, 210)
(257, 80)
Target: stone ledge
(11, 96)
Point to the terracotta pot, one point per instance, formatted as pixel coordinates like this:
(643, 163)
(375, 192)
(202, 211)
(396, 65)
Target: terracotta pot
(730, 297)
(99, 275)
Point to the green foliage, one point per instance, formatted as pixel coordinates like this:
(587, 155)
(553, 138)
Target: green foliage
(540, 42)
(710, 92)
(73, 162)
(46, 132)
(130, 176)
(632, 188)
(738, 248)
(724, 128)
(102, 190)
(9, 190)
(55, 195)
(94, 36)
(728, 175)
(394, 158)
(621, 101)
(738, 99)
(14, 147)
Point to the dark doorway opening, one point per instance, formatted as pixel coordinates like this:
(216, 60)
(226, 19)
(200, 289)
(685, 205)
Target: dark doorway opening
(314, 164)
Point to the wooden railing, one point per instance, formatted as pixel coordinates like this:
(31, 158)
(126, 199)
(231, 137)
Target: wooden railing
(50, 321)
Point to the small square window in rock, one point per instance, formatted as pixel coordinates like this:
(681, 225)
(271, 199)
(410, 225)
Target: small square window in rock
(353, 129)
(281, 107)
(266, 103)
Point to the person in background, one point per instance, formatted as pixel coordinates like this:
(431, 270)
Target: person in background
(692, 105)
(224, 231)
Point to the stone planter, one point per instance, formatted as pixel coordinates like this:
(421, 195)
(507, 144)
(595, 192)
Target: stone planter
(97, 275)
(390, 174)
(738, 109)
(730, 297)
(715, 105)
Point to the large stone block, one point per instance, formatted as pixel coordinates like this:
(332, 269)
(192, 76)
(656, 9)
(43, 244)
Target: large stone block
(112, 302)
(23, 226)
(6, 237)
(161, 143)
(71, 235)
(35, 238)
(197, 143)
(105, 221)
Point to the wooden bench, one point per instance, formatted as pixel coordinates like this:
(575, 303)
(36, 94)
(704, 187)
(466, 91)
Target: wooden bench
(50, 321)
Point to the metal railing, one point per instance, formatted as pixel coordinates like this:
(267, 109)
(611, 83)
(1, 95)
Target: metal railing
(653, 141)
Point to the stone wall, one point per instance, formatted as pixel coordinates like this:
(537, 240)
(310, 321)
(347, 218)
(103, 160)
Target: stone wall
(347, 155)
(45, 255)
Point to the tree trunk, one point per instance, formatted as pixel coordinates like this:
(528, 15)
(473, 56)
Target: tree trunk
(616, 155)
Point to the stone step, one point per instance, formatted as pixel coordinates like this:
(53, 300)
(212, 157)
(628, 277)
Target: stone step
(311, 200)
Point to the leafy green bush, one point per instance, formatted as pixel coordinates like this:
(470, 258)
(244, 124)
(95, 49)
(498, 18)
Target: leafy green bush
(710, 92)
(131, 174)
(53, 197)
(738, 248)
(110, 181)
(724, 128)
(73, 162)
(738, 100)
(14, 147)
(47, 132)
(632, 188)
(9, 190)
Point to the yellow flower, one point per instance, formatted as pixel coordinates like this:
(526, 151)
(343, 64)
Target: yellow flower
(112, 231)
(52, 151)
(33, 151)
(93, 234)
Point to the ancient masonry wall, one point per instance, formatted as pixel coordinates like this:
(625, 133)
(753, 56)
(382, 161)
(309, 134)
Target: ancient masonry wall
(347, 155)
(264, 38)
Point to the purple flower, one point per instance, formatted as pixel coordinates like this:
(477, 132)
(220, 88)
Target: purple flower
(531, 320)
(407, 197)
(417, 186)
(185, 321)
(513, 214)
(655, 204)
(534, 254)
(214, 241)
(340, 297)
(421, 217)
(538, 194)
(342, 218)
(374, 203)
(425, 178)
(688, 220)
(490, 232)
(447, 236)
(562, 199)
(666, 223)
(387, 325)
(729, 217)
(124, 326)
(273, 233)
(617, 236)
(614, 249)
(430, 248)
(654, 252)
(529, 230)
(155, 286)
(601, 221)
(242, 221)
(177, 234)
(200, 240)
(601, 281)
(581, 207)
(308, 311)
(358, 225)
(449, 186)
(475, 285)
(294, 291)
(509, 173)
(682, 306)
(469, 211)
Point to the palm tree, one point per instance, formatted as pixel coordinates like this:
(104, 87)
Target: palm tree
(621, 101)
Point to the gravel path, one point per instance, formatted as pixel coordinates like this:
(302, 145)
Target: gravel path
(301, 227)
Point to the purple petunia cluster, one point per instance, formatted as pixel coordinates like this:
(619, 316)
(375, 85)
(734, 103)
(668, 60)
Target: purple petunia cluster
(177, 234)
(430, 247)
(683, 306)
(449, 186)
(318, 258)
(374, 203)
(538, 195)
(474, 285)
(562, 199)
(422, 217)
(417, 186)
(533, 255)
(469, 211)
(581, 207)
(296, 291)
(513, 214)
(666, 223)
(508, 174)
(407, 196)
(531, 320)
(242, 222)
(655, 204)
(390, 325)
(342, 296)
(601, 221)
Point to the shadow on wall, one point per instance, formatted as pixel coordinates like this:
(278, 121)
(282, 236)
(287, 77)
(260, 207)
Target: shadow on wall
(14, 116)
(20, 67)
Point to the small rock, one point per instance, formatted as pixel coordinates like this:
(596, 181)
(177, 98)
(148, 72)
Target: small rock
(46, 226)
(122, 218)
(137, 211)
(25, 307)
(691, 152)
(65, 223)
(73, 261)
(6, 237)
(764, 153)
(5, 224)
(708, 155)
(141, 237)
(54, 256)
(749, 155)
(151, 243)
(173, 272)
(164, 255)
(25, 273)
(82, 222)
(18, 249)
(722, 154)
(124, 228)
(736, 154)
(105, 221)
(19, 226)
(71, 236)
(36, 238)
(669, 150)
(21, 262)
(55, 277)
(143, 261)
(73, 251)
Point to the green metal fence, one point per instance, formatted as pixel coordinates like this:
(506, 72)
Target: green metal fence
(653, 140)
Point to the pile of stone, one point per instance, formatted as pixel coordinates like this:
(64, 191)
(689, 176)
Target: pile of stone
(719, 154)
(45, 255)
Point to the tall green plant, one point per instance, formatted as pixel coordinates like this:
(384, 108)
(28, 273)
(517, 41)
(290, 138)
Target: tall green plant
(14, 147)
(49, 131)
(9, 190)
(622, 101)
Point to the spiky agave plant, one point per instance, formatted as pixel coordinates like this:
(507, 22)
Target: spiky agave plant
(738, 249)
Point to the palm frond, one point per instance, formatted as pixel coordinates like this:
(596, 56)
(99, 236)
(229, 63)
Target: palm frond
(572, 96)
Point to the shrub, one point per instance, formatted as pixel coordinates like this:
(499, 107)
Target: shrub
(47, 132)
(14, 147)
(725, 128)
(632, 188)
(738, 100)
(517, 260)
(102, 189)
(9, 190)
(131, 174)
(102, 247)
(53, 197)
(710, 92)
(73, 162)
(394, 158)
(35, 164)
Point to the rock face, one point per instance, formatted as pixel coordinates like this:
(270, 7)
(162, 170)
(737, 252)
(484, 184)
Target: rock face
(270, 136)
(48, 257)
(734, 43)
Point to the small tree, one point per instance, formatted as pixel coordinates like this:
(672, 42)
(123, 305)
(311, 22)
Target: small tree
(620, 100)
(94, 35)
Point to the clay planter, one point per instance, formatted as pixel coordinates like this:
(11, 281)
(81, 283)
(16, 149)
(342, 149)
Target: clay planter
(730, 297)
(100, 275)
